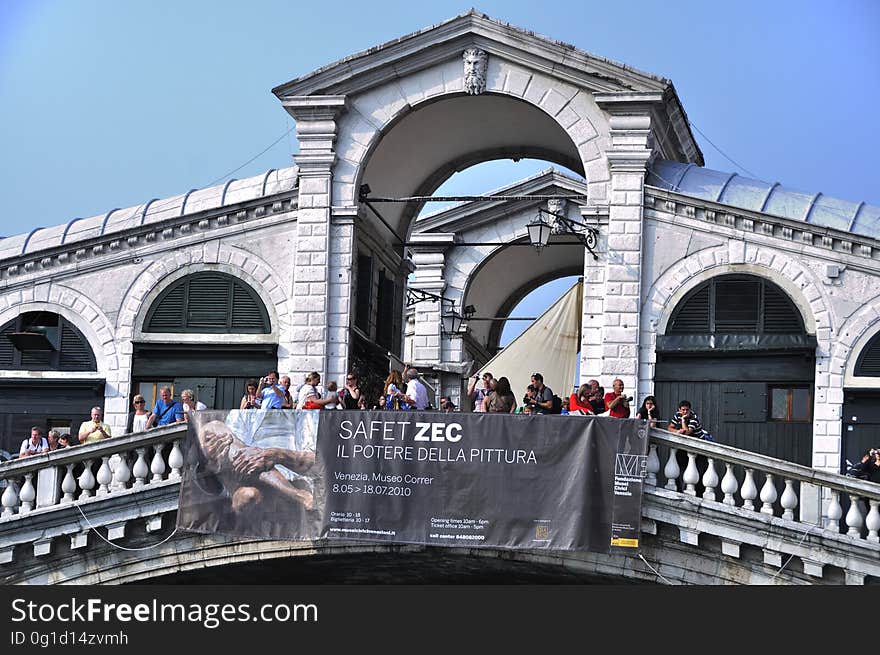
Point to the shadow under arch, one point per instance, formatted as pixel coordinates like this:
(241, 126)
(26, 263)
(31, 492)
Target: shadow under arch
(426, 144)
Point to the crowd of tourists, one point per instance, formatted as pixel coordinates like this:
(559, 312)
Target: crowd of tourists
(490, 394)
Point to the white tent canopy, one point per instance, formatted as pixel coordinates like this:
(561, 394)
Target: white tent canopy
(549, 346)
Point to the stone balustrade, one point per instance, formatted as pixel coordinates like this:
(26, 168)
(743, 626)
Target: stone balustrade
(783, 486)
(105, 468)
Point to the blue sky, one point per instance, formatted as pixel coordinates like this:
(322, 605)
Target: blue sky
(107, 104)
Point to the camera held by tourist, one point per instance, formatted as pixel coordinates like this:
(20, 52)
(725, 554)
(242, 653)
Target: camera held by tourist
(596, 396)
(868, 467)
(270, 392)
(94, 429)
(616, 402)
(478, 390)
(541, 402)
(580, 403)
(250, 400)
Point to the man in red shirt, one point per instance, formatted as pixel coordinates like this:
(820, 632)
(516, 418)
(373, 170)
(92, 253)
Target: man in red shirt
(616, 404)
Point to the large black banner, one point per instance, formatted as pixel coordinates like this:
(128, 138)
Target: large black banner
(510, 481)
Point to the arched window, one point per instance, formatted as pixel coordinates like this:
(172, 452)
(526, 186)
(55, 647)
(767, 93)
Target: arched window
(208, 302)
(44, 341)
(736, 304)
(868, 363)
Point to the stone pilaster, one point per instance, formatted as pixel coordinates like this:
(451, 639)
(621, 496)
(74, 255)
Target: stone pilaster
(630, 122)
(316, 124)
(428, 276)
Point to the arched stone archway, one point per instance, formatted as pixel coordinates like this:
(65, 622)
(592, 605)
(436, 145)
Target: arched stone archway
(427, 139)
(795, 280)
(94, 325)
(236, 262)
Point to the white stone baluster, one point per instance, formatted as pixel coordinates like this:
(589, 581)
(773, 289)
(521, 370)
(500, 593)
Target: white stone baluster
(105, 476)
(671, 470)
(854, 517)
(768, 495)
(9, 499)
(691, 475)
(121, 474)
(788, 501)
(175, 461)
(873, 521)
(28, 494)
(141, 469)
(68, 485)
(157, 466)
(729, 485)
(749, 491)
(653, 465)
(86, 480)
(833, 513)
(710, 480)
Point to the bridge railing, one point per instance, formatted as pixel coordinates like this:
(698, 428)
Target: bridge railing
(715, 472)
(754, 482)
(103, 468)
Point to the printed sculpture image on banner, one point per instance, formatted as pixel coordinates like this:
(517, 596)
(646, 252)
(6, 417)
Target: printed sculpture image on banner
(252, 473)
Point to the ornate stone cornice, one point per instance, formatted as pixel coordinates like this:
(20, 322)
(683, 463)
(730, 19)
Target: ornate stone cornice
(795, 233)
(77, 255)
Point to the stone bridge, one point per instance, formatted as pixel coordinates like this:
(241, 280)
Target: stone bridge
(711, 514)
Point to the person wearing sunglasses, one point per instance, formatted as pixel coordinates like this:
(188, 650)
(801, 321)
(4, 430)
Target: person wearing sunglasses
(137, 420)
(350, 396)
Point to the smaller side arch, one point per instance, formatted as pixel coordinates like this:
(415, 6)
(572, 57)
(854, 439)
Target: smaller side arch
(854, 336)
(232, 261)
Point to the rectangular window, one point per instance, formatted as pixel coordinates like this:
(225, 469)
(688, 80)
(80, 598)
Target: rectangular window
(790, 404)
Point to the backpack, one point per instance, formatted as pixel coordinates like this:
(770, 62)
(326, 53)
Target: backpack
(557, 405)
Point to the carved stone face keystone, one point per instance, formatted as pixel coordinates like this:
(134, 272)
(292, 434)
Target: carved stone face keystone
(476, 62)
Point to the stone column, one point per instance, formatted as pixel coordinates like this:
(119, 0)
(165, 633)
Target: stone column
(316, 124)
(630, 151)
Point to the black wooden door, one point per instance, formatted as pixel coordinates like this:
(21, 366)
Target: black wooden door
(730, 395)
(861, 423)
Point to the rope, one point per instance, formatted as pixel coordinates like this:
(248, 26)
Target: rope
(655, 571)
(123, 547)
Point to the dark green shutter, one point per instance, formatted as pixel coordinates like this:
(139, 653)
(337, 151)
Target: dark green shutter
(208, 303)
(693, 315)
(868, 363)
(7, 350)
(75, 352)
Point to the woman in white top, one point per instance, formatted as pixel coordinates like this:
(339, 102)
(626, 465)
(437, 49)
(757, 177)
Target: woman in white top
(309, 397)
(138, 419)
(187, 399)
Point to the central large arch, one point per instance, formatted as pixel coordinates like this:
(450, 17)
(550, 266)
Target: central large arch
(420, 150)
